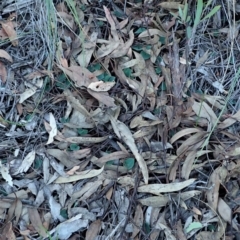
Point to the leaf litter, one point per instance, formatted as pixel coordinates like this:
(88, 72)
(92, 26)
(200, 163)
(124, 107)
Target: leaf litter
(119, 120)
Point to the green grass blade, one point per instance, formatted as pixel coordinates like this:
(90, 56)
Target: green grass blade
(185, 11)
(214, 10)
(198, 13)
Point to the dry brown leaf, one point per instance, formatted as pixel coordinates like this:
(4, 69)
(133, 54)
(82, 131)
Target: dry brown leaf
(151, 32)
(217, 177)
(188, 163)
(93, 230)
(203, 110)
(183, 133)
(103, 97)
(171, 5)
(81, 175)
(137, 220)
(192, 143)
(7, 232)
(157, 189)
(123, 48)
(123, 133)
(86, 140)
(81, 76)
(63, 157)
(88, 48)
(3, 72)
(161, 201)
(12, 34)
(26, 163)
(108, 157)
(36, 222)
(229, 121)
(4, 54)
(73, 170)
(224, 211)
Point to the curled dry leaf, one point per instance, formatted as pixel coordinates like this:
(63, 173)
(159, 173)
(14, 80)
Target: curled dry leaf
(4, 54)
(53, 128)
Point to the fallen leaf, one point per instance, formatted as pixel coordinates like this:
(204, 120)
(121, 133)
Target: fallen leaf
(26, 163)
(224, 210)
(123, 133)
(12, 34)
(36, 222)
(93, 230)
(4, 54)
(53, 128)
(101, 86)
(157, 189)
(81, 175)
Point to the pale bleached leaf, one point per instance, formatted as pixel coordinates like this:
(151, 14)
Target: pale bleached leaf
(157, 189)
(4, 169)
(53, 129)
(81, 175)
(26, 163)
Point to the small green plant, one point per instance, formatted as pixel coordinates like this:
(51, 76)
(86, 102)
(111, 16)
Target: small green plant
(185, 19)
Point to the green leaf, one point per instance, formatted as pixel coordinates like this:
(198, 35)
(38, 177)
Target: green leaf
(162, 40)
(64, 213)
(118, 14)
(111, 162)
(129, 163)
(148, 47)
(189, 32)
(137, 47)
(74, 147)
(105, 77)
(193, 225)
(214, 10)
(180, 12)
(100, 23)
(163, 86)
(94, 67)
(38, 163)
(82, 131)
(140, 30)
(198, 13)
(64, 120)
(62, 82)
(29, 117)
(185, 11)
(158, 70)
(127, 72)
(157, 111)
(145, 55)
